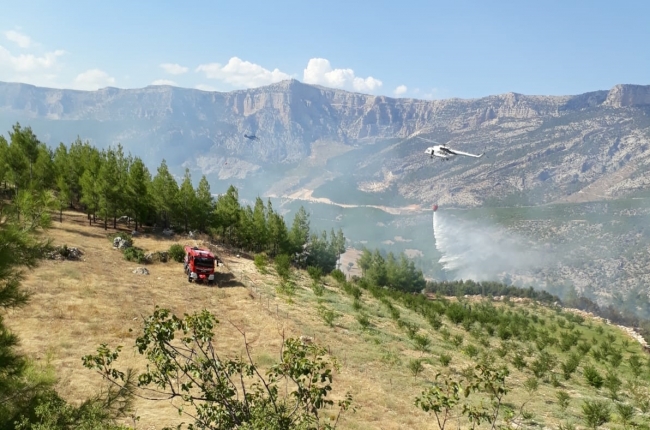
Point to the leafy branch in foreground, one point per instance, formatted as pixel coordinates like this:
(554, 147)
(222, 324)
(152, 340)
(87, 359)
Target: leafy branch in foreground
(227, 392)
(443, 398)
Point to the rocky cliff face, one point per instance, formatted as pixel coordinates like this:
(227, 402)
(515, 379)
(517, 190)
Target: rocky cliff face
(533, 141)
(628, 95)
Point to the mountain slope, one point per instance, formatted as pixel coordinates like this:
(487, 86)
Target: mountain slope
(545, 146)
(97, 300)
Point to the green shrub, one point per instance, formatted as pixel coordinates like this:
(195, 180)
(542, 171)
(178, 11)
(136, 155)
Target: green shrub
(592, 376)
(351, 289)
(422, 342)
(457, 340)
(318, 289)
(134, 254)
(315, 273)
(177, 252)
(570, 366)
(363, 321)
(563, 399)
(64, 251)
(287, 287)
(328, 315)
(261, 261)
(416, 367)
(122, 234)
(411, 328)
(445, 359)
(471, 350)
(433, 319)
(283, 266)
(531, 384)
(338, 276)
(595, 413)
(518, 361)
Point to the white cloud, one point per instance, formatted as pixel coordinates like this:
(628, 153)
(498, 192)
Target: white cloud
(320, 72)
(241, 73)
(174, 69)
(163, 82)
(20, 39)
(400, 90)
(93, 79)
(204, 87)
(25, 63)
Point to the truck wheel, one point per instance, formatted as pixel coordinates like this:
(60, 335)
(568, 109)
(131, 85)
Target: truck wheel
(189, 279)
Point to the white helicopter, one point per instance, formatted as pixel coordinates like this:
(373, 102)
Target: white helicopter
(445, 153)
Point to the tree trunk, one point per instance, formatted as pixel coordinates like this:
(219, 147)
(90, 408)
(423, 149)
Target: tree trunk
(105, 222)
(90, 220)
(115, 222)
(60, 215)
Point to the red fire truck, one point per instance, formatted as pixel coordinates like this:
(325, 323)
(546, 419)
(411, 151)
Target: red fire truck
(199, 265)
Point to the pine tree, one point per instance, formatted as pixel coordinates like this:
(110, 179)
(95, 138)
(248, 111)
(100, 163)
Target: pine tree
(204, 204)
(78, 156)
(137, 191)
(365, 260)
(4, 166)
(260, 227)
(299, 234)
(277, 230)
(44, 175)
(245, 229)
(107, 185)
(227, 212)
(88, 183)
(123, 164)
(25, 143)
(165, 194)
(187, 201)
(18, 248)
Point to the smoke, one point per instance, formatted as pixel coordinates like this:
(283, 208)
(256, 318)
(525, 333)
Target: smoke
(479, 251)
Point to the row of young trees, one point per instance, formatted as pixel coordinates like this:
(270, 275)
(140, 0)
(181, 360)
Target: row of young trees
(108, 184)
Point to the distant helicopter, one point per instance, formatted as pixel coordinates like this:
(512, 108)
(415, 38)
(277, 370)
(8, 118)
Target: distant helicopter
(251, 137)
(444, 152)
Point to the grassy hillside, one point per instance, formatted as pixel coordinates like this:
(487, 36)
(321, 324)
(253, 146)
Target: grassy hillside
(390, 346)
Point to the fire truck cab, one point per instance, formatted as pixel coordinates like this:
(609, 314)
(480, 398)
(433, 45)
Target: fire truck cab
(199, 265)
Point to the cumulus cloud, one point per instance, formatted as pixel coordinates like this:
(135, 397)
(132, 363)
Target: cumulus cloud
(93, 79)
(241, 73)
(28, 62)
(400, 90)
(19, 39)
(204, 87)
(174, 69)
(163, 82)
(319, 72)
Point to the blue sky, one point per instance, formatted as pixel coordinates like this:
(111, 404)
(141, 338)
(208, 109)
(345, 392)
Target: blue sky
(422, 49)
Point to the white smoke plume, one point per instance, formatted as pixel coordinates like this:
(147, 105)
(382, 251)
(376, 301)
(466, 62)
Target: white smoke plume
(479, 251)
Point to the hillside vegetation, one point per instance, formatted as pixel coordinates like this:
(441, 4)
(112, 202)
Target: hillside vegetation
(285, 341)
(390, 345)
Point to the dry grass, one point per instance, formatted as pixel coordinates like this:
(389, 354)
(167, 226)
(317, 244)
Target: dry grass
(76, 306)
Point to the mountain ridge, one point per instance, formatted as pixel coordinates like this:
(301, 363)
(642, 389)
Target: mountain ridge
(525, 134)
